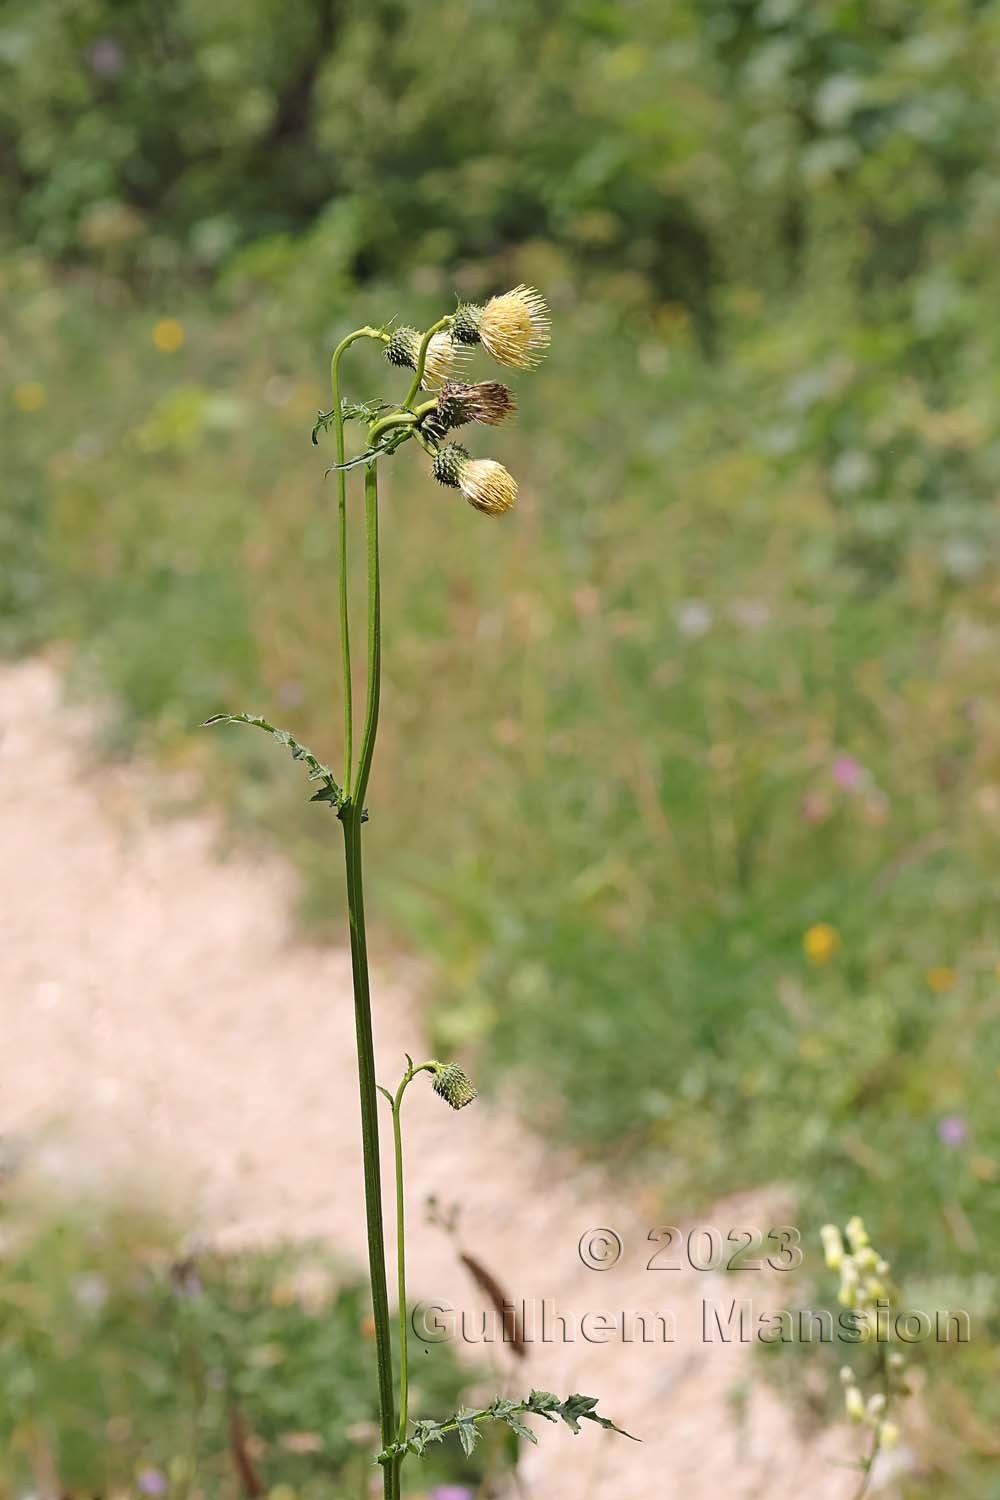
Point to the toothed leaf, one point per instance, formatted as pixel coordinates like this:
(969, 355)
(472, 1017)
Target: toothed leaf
(330, 791)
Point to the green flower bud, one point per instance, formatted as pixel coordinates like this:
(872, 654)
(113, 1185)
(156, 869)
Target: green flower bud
(465, 327)
(401, 350)
(454, 1085)
(449, 463)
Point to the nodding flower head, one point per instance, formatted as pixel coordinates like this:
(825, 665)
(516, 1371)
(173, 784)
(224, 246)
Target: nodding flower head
(486, 484)
(487, 401)
(454, 1085)
(514, 328)
(443, 354)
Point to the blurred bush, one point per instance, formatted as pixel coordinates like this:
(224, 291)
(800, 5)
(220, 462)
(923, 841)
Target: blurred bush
(675, 146)
(131, 1367)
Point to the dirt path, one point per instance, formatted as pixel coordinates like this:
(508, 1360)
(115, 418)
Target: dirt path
(161, 1019)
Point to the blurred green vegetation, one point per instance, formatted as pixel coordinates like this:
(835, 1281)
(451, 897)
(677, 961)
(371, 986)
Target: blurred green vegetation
(730, 671)
(132, 1367)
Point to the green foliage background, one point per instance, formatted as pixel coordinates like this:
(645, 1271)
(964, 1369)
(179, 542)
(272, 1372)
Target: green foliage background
(731, 669)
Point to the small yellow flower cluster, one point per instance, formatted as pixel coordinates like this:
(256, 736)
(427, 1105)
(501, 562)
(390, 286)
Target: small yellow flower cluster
(866, 1288)
(864, 1274)
(871, 1412)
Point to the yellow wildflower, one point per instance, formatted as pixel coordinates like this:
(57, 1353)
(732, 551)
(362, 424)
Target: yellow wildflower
(821, 942)
(486, 484)
(514, 327)
(168, 335)
(941, 979)
(29, 396)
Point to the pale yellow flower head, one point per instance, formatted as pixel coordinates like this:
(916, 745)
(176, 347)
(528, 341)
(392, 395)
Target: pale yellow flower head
(486, 484)
(833, 1246)
(514, 328)
(443, 358)
(855, 1404)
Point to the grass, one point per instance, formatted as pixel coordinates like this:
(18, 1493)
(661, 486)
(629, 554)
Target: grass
(728, 674)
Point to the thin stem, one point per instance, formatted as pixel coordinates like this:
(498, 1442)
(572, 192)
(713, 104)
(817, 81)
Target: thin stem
(345, 637)
(418, 373)
(374, 637)
(397, 1136)
(386, 424)
(869, 1462)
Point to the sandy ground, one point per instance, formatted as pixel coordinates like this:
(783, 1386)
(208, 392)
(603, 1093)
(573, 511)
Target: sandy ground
(163, 1026)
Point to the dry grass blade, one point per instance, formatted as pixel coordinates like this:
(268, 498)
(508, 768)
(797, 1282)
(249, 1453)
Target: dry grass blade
(242, 1462)
(503, 1305)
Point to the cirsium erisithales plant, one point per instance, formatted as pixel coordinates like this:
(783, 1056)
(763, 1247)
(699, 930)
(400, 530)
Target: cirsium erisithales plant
(514, 330)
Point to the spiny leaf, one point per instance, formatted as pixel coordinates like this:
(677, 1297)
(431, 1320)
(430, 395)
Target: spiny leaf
(328, 792)
(351, 411)
(364, 411)
(543, 1404)
(468, 1433)
(393, 439)
(521, 1428)
(577, 1408)
(573, 1410)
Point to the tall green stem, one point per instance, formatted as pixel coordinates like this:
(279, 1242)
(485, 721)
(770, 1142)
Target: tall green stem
(352, 814)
